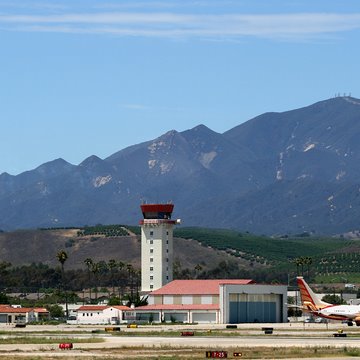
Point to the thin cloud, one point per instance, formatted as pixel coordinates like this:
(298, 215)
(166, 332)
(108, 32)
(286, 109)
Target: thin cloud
(38, 6)
(134, 106)
(174, 25)
(137, 5)
(167, 4)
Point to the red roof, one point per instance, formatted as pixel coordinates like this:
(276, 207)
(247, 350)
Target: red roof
(101, 307)
(9, 309)
(121, 307)
(179, 307)
(198, 287)
(41, 310)
(92, 308)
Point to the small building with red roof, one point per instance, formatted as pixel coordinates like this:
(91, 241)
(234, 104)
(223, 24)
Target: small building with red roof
(12, 314)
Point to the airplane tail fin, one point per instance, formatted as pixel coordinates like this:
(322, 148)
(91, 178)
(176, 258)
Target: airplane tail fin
(309, 299)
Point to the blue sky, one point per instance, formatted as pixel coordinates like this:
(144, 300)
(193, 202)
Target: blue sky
(86, 77)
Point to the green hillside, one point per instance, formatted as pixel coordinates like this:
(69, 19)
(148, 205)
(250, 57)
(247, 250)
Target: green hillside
(337, 258)
(198, 252)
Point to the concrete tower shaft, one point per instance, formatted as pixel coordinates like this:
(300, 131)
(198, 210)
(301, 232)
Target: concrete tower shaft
(156, 246)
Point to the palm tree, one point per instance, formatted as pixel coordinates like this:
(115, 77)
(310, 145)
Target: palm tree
(95, 270)
(130, 270)
(121, 266)
(301, 261)
(112, 265)
(298, 262)
(89, 262)
(103, 272)
(197, 269)
(62, 256)
(308, 262)
(137, 275)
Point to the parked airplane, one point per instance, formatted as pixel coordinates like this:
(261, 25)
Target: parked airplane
(313, 304)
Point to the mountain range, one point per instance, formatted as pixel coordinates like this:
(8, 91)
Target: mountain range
(292, 172)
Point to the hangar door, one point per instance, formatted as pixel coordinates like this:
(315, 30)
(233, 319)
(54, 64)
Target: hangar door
(250, 308)
(209, 317)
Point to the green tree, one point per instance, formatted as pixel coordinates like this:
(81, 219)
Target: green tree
(89, 262)
(136, 300)
(62, 256)
(95, 268)
(4, 271)
(358, 293)
(114, 301)
(4, 298)
(333, 299)
(121, 267)
(293, 310)
(300, 262)
(198, 269)
(307, 260)
(55, 310)
(112, 265)
(130, 271)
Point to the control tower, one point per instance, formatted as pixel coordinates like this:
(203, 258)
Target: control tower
(156, 246)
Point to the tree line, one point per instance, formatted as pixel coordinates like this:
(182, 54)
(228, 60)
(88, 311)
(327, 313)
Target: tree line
(120, 280)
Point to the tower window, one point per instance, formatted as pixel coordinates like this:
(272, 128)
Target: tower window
(151, 259)
(151, 233)
(151, 242)
(167, 259)
(151, 277)
(151, 268)
(151, 251)
(151, 286)
(167, 241)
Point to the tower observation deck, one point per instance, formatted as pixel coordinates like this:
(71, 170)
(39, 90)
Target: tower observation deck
(156, 245)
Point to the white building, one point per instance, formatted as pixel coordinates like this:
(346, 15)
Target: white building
(100, 314)
(156, 246)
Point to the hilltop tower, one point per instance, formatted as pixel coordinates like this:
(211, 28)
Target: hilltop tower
(156, 246)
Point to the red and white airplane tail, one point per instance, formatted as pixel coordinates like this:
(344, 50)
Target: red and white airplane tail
(309, 300)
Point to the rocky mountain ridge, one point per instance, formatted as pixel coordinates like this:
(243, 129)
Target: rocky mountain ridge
(278, 173)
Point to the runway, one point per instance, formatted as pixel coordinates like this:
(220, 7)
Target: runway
(234, 341)
(167, 339)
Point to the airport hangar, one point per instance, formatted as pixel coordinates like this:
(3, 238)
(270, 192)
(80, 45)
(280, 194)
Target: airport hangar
(229, 301)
